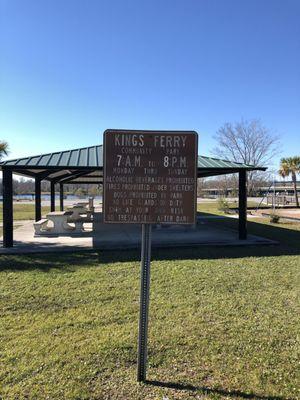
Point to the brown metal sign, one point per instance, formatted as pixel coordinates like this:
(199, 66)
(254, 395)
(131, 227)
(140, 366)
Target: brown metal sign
(150, 177)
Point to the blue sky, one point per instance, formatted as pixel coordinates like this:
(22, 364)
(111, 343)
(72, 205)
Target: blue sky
(71, 69)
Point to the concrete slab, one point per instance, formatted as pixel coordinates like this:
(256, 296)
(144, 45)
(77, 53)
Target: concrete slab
(122, 236)
(26, 242)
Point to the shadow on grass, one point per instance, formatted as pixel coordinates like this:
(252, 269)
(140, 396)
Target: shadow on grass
(45, 262)
(205, 390)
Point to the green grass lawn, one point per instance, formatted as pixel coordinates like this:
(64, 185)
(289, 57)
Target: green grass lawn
(224, 322)
(212, 207)
(24, 211)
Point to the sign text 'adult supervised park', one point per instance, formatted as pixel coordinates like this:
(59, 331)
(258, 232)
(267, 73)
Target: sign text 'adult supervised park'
(150, 176)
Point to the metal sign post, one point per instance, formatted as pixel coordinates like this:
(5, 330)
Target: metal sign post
(144, 302)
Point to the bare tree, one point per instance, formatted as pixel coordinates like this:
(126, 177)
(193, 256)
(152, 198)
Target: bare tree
(248, 142)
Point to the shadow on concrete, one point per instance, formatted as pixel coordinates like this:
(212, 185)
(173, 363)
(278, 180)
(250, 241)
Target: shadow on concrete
(71, 258)
(278, 232)
(288, 239)
(206, 390)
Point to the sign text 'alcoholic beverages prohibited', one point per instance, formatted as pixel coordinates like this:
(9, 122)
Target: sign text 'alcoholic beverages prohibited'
(150, 177)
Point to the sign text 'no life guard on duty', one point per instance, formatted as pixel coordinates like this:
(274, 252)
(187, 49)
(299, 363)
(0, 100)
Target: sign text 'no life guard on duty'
(150, 176)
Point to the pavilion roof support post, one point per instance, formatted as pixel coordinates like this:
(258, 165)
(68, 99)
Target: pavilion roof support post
(242, 205)
(61, 196)
(52, 196)
(38, 206)
(7, 208)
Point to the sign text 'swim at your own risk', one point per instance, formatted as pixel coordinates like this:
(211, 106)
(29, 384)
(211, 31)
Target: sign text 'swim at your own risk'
(150, 177)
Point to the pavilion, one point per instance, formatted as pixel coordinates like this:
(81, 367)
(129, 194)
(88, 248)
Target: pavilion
(85, 166)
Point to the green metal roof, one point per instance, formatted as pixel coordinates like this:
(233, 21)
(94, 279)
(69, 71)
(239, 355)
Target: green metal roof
(84, 165)
(92, 157)
(77, 158)
(211, 163)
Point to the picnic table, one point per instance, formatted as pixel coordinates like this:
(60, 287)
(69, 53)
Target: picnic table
(89, 205)
(60, 222)
(76, 212)
(82, 204)
(81, 211)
